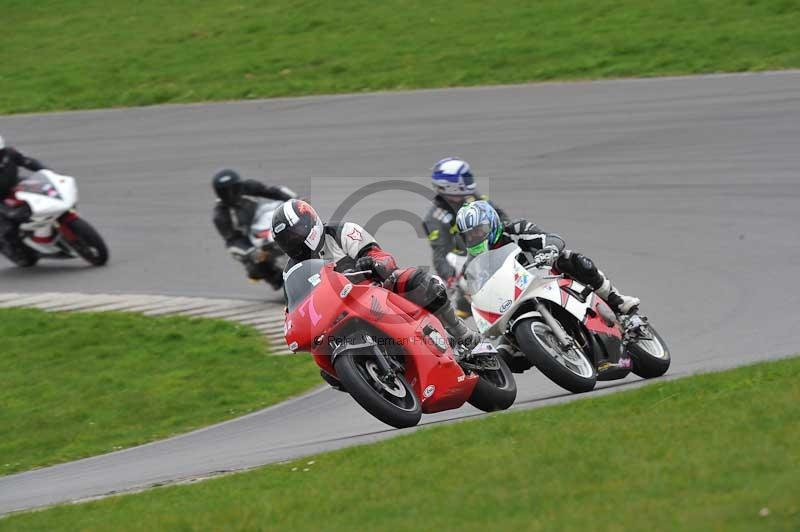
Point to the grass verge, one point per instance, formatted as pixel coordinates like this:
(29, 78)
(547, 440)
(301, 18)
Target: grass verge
(710, 452)
(76, 385)
(75, 54)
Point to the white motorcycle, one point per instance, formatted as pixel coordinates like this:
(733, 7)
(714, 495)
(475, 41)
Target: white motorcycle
(558, 324)
(264, 256)
(55, 229)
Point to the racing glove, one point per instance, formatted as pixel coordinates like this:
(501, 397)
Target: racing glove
(546, 256)
(367, 264)
(380, 270)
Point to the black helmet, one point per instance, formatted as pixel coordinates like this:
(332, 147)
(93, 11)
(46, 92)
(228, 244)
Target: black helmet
(297, 229)
(228, 186)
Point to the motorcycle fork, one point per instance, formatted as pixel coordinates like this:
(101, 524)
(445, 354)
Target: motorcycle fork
(383, 362)
(561, 335)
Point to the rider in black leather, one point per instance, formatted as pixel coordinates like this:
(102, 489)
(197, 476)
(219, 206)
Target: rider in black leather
(233, 215)
(12, 213)
(455, 187)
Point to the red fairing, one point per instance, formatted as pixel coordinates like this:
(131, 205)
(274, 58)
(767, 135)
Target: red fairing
(63, 225)
(564, 283)
(491, 317)
(332, 307)
(596, 323)
(593, 321)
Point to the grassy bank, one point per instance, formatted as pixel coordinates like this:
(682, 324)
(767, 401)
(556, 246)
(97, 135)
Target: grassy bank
(76, 385)
(74, 54)
(711, 452)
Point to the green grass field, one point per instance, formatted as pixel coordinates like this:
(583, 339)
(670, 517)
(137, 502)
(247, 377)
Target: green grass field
(75, 54)
(711, 452)
(76, 385)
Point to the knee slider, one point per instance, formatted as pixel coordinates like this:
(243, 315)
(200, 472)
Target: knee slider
(427, 291)
(586, 271)
(584, 263)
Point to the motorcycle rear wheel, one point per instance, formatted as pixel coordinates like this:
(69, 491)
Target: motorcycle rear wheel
(394, 403)
(571, 370)
(496, 389)
(650, 354)
(25, 257)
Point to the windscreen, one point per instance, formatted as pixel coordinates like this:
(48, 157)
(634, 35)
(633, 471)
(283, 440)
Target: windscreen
(38, 184)
(301, 280)
(481, 268)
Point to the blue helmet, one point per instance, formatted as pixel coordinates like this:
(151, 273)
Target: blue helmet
(479, 225)
(453, 177)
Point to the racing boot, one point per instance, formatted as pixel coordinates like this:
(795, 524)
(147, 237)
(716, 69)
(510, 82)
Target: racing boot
(625, 307)
(463, 307)
(622, 305)
(466, 339)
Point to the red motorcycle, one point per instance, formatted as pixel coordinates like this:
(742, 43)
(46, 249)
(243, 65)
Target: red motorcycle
(393, 356)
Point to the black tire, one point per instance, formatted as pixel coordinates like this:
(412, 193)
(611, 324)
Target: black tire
(351, 368)
(89, 245)
(25, 257)
(496, 389)
(538, 352)
(645, 363)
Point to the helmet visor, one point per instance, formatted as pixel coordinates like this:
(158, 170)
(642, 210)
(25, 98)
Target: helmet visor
(477, 239)
(293, 241)
(230, 194)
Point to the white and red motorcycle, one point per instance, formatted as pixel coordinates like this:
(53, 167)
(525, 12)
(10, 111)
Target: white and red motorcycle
(558, 324)
(55, 229)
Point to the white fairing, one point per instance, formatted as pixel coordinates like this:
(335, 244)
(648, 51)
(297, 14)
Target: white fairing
(499, 284)
(48, 194)
(261, 228)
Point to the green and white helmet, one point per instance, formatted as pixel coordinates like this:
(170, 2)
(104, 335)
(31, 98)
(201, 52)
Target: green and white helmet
(479, 225)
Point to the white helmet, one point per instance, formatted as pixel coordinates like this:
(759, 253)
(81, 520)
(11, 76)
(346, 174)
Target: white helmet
(453, 177)
(2, 142)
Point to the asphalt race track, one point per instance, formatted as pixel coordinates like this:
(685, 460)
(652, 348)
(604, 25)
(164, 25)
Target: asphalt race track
(684, 190)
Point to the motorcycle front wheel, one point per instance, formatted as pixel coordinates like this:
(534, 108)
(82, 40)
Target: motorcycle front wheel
(390, 400)
(88, 243)
(569, 368)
